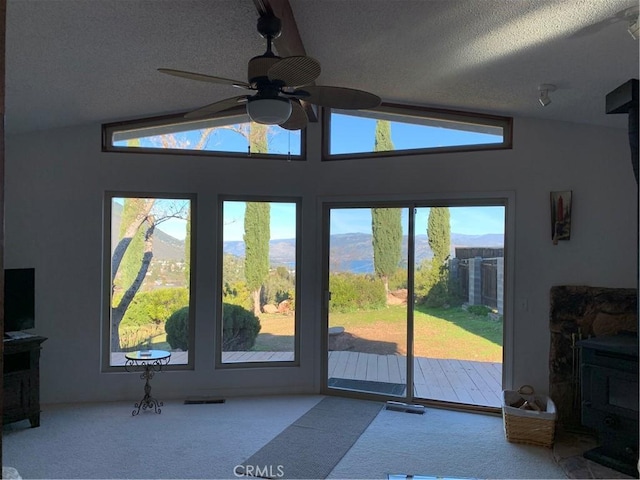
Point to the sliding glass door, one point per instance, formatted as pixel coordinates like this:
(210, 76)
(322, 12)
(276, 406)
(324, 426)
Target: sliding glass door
(367, 308)
(415, 301)
(459, 305)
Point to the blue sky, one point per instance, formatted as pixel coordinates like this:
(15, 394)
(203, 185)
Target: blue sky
(283, 220)
(465, 220)
(357, 134)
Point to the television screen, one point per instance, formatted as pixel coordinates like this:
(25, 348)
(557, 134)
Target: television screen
(19, 299)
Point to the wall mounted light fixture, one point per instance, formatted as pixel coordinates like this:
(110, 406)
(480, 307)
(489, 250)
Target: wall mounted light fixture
(544, 89)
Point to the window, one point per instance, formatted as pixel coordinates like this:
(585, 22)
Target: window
(148, 278)
(228, 135)
(394, 130)
(259, 281)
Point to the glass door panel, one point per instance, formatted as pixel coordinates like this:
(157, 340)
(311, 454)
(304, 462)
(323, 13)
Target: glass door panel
(459, 304)
(367, 324)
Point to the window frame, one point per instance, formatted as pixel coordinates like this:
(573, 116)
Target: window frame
(219, 364)
(109, 129)
(426, 112)
(106, 275)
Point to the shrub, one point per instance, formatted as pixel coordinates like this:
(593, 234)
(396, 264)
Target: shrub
(480, 310)
(434, 286)
(239, 332)
(423, 281)
(240, 328)
(177, 328)
(154, 307)
(438, 296)
(237, 293)
(398, 280)
(351, 292)
(278, 286)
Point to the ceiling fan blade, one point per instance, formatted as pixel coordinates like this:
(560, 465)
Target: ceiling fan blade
(339, 97)
(298, 118)
(216, 107)
(295, 71)
(204, 78)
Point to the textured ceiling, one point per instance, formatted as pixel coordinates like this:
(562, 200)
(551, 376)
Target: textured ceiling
(72, 62)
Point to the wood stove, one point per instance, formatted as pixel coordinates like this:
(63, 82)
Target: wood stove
(609, 371)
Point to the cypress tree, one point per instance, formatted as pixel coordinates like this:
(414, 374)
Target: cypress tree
(387, 242)
(258, 140)
(383, 142)
(439, 236)
(386, 223)
(256, 240)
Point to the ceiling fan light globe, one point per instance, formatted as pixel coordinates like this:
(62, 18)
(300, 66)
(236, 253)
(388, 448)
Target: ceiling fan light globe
(269, 111)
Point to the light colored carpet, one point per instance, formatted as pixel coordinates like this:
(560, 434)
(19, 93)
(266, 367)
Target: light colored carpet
(209, 441)
(443, 443)
(313, 445)
(103, 440)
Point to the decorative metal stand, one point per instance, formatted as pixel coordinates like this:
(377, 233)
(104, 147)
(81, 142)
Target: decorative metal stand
(150, 363)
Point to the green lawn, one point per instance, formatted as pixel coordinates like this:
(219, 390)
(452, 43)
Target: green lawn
(276, 333)
(439, 332)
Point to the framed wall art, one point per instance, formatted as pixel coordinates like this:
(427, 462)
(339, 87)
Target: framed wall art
(560, 216)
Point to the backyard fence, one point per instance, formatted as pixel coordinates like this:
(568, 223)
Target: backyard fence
(489, 282)
(479, 279)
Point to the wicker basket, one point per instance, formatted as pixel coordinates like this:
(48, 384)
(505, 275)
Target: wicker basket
(528, 426)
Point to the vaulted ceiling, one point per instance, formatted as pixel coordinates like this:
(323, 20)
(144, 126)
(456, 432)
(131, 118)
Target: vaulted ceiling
(72, 62)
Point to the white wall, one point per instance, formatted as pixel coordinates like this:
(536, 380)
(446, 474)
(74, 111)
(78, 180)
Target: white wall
(55, 182)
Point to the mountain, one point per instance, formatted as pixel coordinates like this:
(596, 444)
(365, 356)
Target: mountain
(354, 252)
(165, 247)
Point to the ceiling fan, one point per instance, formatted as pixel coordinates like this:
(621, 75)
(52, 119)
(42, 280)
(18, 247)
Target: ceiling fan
(281, 84)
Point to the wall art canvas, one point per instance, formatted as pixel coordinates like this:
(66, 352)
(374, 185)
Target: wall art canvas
(560, 216)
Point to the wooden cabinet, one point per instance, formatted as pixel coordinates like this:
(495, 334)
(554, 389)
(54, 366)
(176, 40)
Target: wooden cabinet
(21, 399)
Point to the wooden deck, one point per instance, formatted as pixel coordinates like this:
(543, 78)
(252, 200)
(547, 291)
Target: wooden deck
(458, 381)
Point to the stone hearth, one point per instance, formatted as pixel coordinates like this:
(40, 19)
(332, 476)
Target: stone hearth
(580, 312)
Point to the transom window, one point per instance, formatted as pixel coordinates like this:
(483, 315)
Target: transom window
(230, 135)
(395, 130)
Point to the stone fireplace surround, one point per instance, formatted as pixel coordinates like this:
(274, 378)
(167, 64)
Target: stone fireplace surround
(580, 312)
